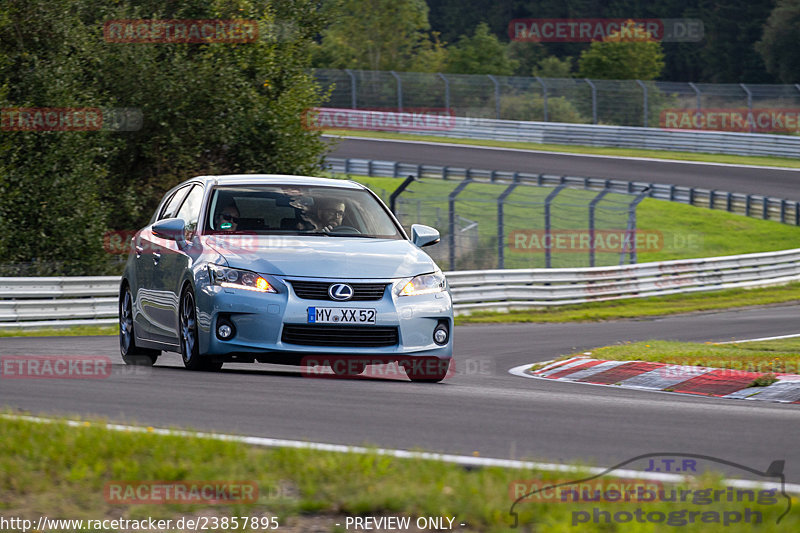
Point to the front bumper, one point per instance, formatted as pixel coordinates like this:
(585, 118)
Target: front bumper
(259, 320)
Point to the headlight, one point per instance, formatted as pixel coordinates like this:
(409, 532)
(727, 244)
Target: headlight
(424, 284)
(238, 279)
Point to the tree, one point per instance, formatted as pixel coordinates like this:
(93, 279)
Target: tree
(480, 53)
(779, 46)
(378, 35)
(206, 108)
(553, 67)
(630, 53)
(527, 55)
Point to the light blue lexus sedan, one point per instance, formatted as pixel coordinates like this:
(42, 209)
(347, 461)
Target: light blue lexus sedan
(284, 269)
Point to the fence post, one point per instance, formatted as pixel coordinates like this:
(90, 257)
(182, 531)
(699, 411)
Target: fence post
(631, 229)
(451, 219)
(544, 97)
(446, 90)
(397, 192)
(592, 206)
(594, 99)
(399, 91)
(353, 99)
(697, 91)
(501, 230)
(644, 106)
(496, 96)
(749, 103)
(548, 241)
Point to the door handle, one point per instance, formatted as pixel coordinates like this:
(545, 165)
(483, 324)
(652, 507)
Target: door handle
(156, 257)
(139, 251)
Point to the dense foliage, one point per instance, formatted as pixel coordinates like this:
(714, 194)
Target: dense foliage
(728, 53)
(206, 108)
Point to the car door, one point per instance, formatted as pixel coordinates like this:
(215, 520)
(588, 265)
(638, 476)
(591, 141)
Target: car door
(148, 301)
(169, 264)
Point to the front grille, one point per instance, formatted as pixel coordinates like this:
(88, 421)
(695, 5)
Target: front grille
(318, 290)
(356, 336)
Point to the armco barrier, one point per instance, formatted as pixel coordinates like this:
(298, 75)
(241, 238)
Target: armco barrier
(23, 305)
(715, 142)
(755, 205)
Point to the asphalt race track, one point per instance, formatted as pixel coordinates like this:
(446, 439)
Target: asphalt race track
(781, 183)
(481, 408)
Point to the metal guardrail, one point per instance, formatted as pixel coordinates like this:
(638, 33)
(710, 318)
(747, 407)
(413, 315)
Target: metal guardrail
(763, 108)
(22, 305)
(503, 290)
(755, 205)
(716, 142)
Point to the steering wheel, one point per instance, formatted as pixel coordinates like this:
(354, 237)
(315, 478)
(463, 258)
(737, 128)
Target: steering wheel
(345, 229)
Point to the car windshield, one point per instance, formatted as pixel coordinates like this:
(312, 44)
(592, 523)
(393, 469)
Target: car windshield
(299, 209)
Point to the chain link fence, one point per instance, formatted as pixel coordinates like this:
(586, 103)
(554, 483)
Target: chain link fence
(514, 225)
(570, 100)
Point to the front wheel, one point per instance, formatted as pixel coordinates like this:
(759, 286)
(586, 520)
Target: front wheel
(132, 354)
(190, 352)
(426, 370)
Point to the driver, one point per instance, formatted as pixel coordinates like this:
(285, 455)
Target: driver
(227, 218)
(329, 214)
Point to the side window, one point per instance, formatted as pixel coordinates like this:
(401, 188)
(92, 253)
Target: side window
(172, 205)
(190, 210)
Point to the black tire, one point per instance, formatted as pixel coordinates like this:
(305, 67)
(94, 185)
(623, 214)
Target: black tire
(348, 368)
(190, 352)
(132, 354)
(426, 370)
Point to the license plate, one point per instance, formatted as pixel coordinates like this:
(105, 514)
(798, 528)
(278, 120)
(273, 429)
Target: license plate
(340, 315)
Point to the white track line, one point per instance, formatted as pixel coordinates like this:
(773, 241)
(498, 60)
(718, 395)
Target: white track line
(463, 460)
(573, 154)
(762, 339)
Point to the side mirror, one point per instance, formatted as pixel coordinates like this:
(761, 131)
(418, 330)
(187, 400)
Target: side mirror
(424, 235)
(173, 229)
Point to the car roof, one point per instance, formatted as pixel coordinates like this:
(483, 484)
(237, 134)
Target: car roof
(276, 179)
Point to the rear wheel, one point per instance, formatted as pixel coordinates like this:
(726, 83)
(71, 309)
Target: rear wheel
(132, 354)
(426, 370)
(190, 352)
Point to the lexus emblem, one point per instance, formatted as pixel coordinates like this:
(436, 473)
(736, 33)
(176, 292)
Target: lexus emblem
(340, 291)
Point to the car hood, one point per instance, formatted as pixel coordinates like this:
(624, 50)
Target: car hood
(322, 257)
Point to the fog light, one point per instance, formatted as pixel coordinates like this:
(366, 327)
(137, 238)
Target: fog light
(224, 331)
(440, 334)
(225, 328)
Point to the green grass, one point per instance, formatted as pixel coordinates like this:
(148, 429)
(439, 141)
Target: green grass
(644, 307)
(683, 231)
(61, 471)
(775, 356)
(593, 150)
(71, 331)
